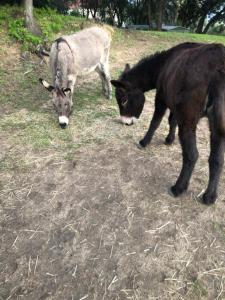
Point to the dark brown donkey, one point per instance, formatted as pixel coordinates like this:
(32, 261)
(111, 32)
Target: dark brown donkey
(134, 82)
(191, 83)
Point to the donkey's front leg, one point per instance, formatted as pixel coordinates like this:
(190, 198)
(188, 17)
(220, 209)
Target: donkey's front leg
(160, 109)
(190, 155)
(216, 160)
(173, 124)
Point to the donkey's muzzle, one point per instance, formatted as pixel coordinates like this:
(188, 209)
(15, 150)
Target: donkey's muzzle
(63, 125)
(128, 120)
(63, 121)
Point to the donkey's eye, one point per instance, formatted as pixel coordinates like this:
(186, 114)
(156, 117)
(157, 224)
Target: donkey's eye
(124, 101)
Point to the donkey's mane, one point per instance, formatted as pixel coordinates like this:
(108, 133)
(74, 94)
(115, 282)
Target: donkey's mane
(144, 74)
(145, 63)
(150, 58)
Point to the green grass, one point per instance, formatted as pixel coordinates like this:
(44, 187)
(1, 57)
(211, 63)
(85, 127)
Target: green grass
(11, 163)
(177, 36)
(198, 290)
(2, 73)
(32, 127)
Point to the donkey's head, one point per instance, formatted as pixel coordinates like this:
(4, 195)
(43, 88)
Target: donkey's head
(62, 102)
(130, 99)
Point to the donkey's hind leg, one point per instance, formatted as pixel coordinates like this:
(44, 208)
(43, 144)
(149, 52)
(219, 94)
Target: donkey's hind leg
(173, 124)
(103, 79)
(108, 80)
(160, 109)
(103, 72)
(187, 137)
(105, 67)
(216, 160)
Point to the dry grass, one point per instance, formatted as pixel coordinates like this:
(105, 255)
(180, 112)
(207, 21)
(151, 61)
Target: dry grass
(84, 213)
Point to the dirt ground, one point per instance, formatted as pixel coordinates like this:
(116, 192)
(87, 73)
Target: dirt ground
(100, 223)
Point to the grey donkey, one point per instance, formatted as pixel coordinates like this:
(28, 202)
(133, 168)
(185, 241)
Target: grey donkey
(76, 55)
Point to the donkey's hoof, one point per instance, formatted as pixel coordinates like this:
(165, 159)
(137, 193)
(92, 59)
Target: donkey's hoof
(209, 199)
(142, 144)
(169, 140)
(176, 191)
(139, 146)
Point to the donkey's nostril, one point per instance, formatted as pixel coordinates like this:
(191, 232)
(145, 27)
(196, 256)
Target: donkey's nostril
(63, 121)
(63, 125)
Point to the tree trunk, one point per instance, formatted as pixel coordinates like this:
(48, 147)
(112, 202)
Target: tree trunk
(87, 16)
(200, 25)
(160, 14)
(213, 20)
(176, 13)
(29, 19)
(120, 16)
(94, 12)
(82, 6)
(149, 15)
(111, 15)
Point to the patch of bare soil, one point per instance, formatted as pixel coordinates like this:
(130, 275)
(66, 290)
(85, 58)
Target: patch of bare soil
(104, 226)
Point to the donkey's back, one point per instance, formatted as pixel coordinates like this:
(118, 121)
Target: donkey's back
(89, 47)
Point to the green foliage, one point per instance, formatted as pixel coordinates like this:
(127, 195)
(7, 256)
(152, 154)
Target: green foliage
(193, 13)
(75, 13)
(4, 14)
(50, 22)
(218, 29)
(19, 32)
(13, 19)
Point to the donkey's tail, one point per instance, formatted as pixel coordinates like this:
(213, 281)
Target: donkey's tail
(217, 94)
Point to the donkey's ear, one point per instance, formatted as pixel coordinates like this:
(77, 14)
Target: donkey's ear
(66, 91)
(49, 87)
(118, 84)
(127, 68)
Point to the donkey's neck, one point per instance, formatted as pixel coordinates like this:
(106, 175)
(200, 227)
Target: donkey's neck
(144, 74)
(64, 58)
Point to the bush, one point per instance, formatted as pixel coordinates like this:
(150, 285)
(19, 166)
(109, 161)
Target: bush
(218, 29)
(18, 31)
